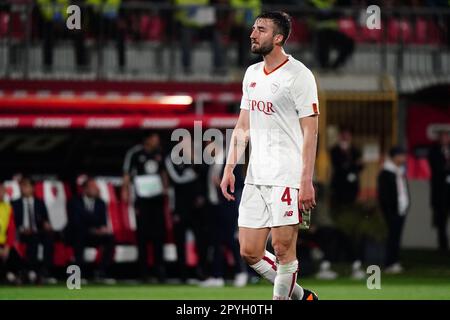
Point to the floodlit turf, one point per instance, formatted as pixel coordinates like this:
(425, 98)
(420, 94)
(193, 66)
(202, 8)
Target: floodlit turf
(426, 277)
(391, 288)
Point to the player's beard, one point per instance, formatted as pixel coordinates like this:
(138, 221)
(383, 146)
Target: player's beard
(262, 49)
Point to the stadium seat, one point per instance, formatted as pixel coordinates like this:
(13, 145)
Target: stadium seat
(17, 26)
(12, 190)
(108, 194)
(4, 21)
(434, 33)
(421, 36)
(418, 168)
(426, 32)
(348, 26)
(55, 194)
(151, 27)
(299, 32)
(399, 30)
(371, 35)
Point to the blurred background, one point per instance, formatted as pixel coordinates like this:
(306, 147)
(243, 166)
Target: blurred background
(82, 111)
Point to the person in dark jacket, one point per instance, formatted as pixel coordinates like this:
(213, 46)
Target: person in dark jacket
(145, 179)
(89, 227)
(189, 211)
(224, 221)
(394, 200)
(347, 165)
(345, 186)
(439, 160)
(33, 228)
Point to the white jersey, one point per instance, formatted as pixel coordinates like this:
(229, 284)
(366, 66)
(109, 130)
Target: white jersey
(276, 101)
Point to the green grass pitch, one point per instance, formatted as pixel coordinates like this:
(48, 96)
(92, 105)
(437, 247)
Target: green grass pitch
(427, 277)
(391, 288)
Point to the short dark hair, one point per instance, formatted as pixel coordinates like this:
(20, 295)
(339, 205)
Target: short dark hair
(282, 22)
(26, 180)
(86, 182)
(396, 150)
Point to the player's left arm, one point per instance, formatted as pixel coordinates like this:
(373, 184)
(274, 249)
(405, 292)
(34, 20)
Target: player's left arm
(304, 94)
(310, 127)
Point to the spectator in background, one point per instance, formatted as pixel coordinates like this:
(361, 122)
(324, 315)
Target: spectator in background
(328, 37)
(106, 23)
(439, 159)
(10, 262)
(33, 228)
(53, 15)
(144, 170)
(346, 166)
(242, 18)
(224, 214)
(195, 18)
(88, 226)
(394, 200)
(189, 211)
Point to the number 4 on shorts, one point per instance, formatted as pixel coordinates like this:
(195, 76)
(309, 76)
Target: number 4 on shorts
(286, 197)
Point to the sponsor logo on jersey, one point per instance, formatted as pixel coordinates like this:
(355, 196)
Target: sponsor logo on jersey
(151, 167)
(253, 84)
(262, 106)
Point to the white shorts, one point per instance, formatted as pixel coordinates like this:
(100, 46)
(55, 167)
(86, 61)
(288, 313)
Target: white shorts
(268, 206)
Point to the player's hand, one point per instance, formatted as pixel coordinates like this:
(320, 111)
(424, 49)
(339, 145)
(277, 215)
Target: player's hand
(228, 180)
(47, 227)
(306, 197)
(26, 232)
(4, 253)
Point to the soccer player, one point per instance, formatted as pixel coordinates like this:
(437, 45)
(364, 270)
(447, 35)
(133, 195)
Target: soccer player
(279, 115)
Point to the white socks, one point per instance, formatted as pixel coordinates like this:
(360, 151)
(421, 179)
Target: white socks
(282, 276)
(285, 281)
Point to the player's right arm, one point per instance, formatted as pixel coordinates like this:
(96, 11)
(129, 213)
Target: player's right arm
(127, 168)
(239, 141)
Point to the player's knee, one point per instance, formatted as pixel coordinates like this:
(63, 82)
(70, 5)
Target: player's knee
(250, 256)
(281, 250)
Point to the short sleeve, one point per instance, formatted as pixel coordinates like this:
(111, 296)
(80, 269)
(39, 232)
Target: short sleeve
(304, 94)
(129, 161)
(245, 99)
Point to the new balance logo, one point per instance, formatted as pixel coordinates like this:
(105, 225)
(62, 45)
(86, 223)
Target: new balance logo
(253, 84)
(288, 213)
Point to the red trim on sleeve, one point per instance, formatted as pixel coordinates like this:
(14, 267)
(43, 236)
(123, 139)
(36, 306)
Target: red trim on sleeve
(315, 108)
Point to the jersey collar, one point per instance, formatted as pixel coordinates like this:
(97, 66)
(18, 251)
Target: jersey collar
(278, 67)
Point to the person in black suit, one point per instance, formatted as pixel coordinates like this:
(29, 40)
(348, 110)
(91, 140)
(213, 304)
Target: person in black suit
(33, 228)
(87, 225)
(347, 164)
(394, 200)
(439, 160)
